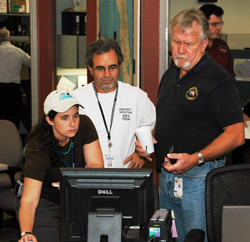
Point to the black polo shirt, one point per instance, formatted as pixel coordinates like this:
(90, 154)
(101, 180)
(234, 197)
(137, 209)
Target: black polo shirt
(192, 111)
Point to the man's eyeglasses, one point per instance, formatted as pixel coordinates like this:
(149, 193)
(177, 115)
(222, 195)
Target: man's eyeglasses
(215, 24)
(111, 68)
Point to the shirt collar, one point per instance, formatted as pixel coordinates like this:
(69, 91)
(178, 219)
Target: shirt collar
(5, 43)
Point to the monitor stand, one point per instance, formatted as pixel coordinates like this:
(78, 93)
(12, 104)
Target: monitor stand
(104, 226)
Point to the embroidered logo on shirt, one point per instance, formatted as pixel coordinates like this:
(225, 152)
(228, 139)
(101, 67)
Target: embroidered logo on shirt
(192, 93)
(125, 112)
(223, 49)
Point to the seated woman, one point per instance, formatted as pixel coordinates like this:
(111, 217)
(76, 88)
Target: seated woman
(63, 138)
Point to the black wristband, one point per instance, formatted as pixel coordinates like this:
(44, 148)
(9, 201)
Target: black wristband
(24, 233)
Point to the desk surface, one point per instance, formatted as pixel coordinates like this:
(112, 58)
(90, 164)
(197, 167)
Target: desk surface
(3, 167)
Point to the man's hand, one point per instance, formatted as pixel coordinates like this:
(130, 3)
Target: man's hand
(56, 184)
(184, 162)
(141, 151)
(28, 238)
(136, 161)
(246, 118)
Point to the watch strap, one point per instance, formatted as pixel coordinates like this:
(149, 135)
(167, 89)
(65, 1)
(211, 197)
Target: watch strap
(201, 160)
(24, 233)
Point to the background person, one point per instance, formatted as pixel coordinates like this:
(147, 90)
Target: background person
(63, 138)
(199, 114)
(116, 109)
(11, 60)
(218, 48)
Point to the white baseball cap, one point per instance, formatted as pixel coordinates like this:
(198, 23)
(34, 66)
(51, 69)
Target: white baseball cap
(59, 101)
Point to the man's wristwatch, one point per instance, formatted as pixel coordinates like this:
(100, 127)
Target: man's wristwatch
(24, 233)
(201, 160)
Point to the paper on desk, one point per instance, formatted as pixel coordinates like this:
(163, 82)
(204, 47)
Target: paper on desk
(247, 131)
(65, 84)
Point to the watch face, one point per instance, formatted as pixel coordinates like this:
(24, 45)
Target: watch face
(201, 160)
(199, 155)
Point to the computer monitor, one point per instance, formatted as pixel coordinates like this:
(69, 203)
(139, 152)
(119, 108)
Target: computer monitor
(128, 192)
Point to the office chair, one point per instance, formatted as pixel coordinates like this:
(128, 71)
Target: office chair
(195, 235)
(241, 155)
(225, 186)
(11, 153)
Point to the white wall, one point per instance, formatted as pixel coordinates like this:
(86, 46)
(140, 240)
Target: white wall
(61, 5)
(236, 13)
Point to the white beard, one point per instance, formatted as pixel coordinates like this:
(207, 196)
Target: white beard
(186, 65)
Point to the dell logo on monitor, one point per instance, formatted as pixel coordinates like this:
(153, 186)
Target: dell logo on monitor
(105, 192)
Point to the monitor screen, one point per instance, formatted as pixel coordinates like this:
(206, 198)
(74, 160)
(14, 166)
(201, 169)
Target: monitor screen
(86, 190)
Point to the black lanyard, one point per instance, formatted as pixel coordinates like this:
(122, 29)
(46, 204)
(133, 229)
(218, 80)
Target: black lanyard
(112, 113)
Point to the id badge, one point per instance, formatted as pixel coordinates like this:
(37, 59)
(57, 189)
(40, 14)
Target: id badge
(178, 187)
(109, 161)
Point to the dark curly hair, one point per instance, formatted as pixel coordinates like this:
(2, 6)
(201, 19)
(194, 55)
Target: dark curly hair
(209, 9)
(100, 46)
(50, 144)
